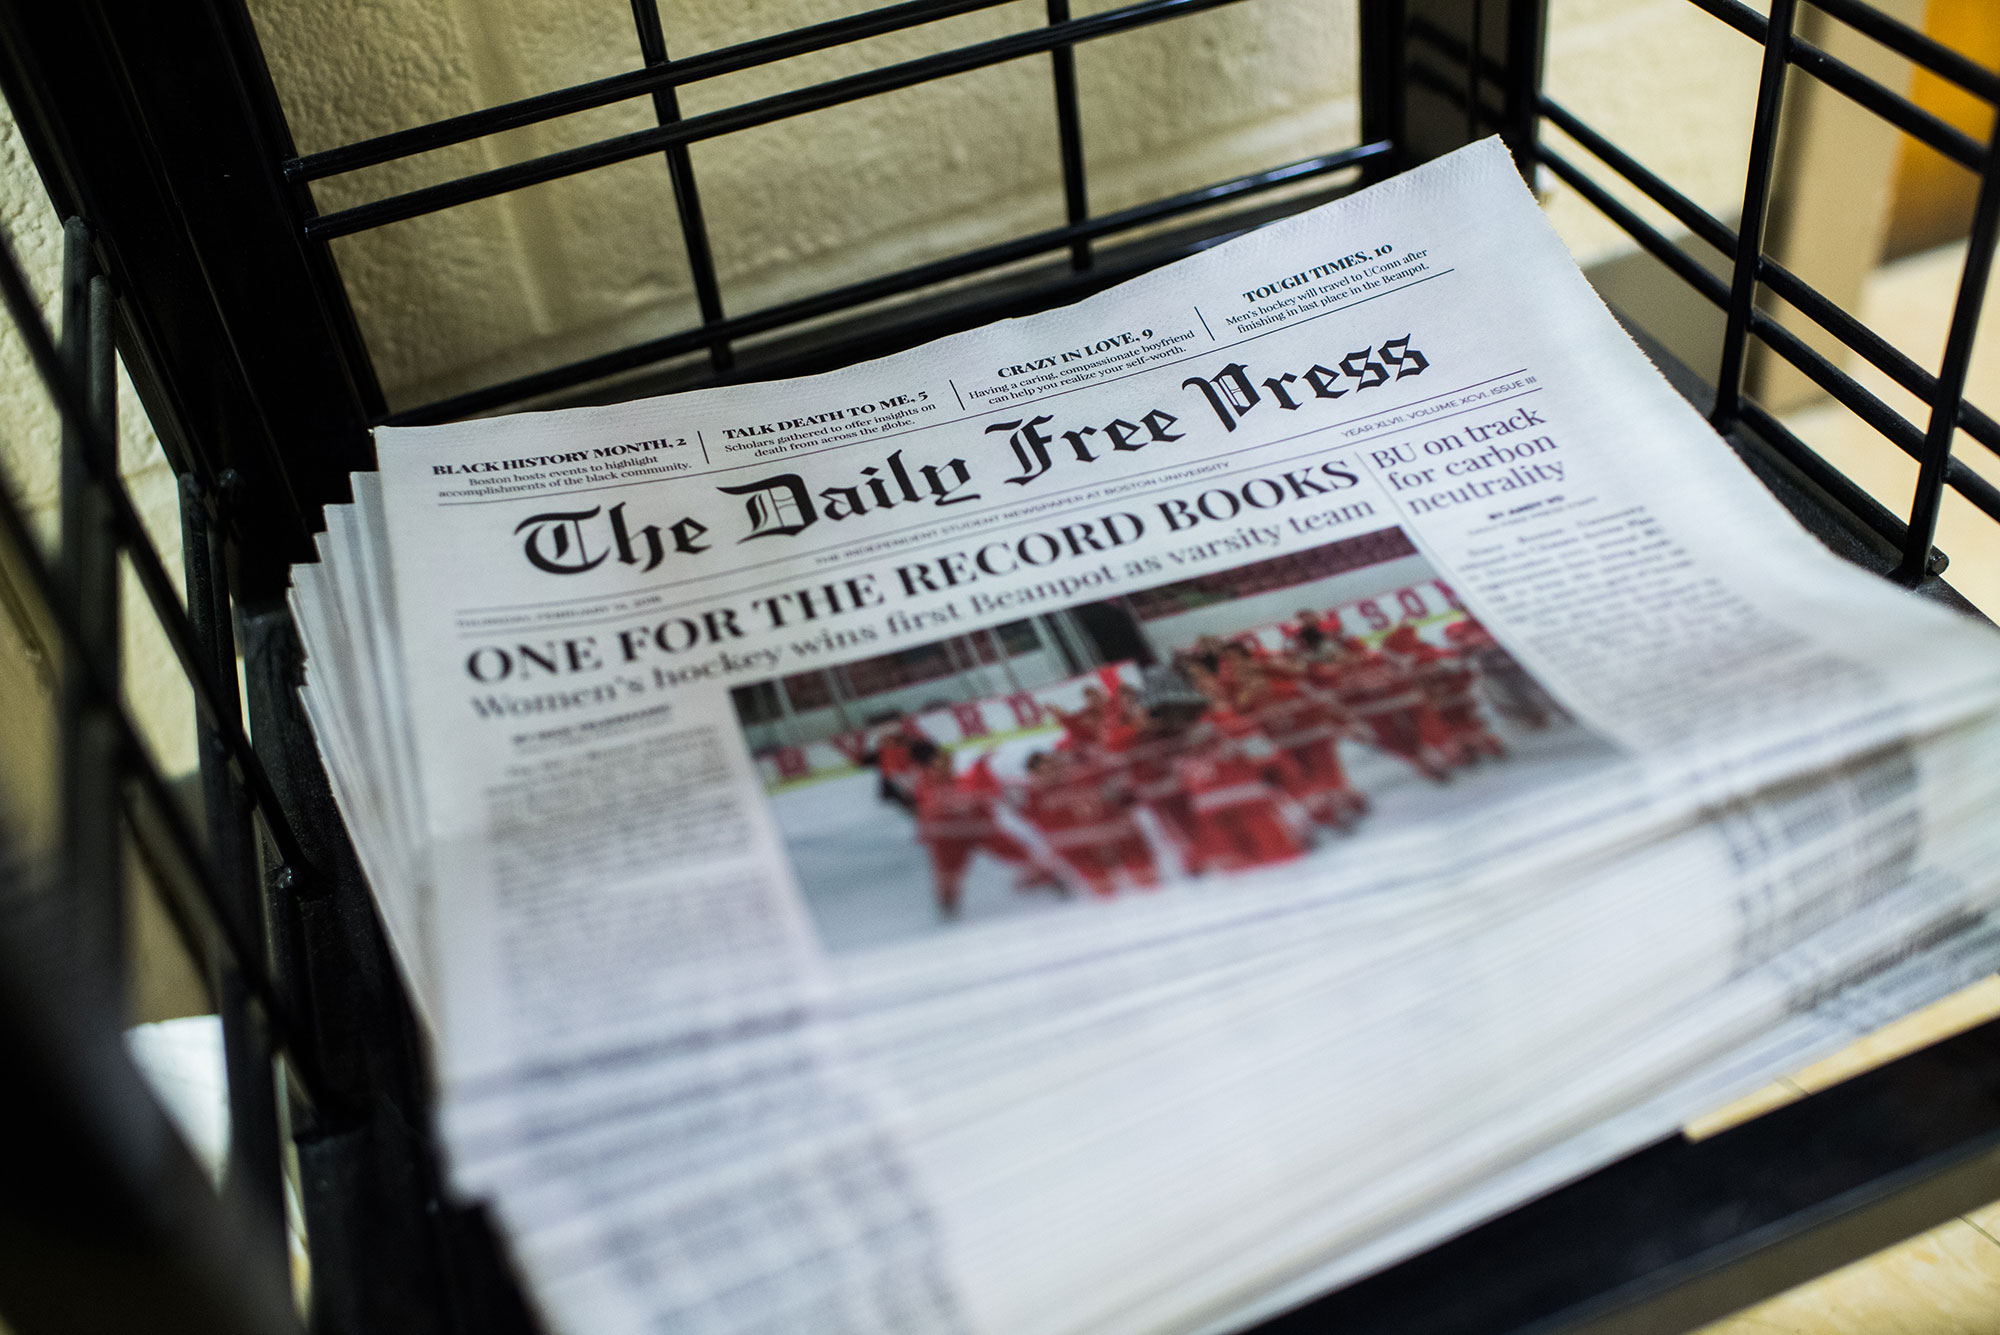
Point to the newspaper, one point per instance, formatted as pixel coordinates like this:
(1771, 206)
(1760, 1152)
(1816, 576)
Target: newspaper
(1123, 818)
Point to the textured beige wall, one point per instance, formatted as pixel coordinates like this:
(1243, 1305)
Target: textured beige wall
(576, 266)
(1830, 203)
(27, 450)
(1670, 85)
(29, 437)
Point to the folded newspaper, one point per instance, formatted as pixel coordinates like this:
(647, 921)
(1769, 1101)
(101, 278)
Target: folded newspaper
(1123, 819)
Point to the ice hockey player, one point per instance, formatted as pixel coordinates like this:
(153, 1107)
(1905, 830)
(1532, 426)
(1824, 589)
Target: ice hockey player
(1377, 692)
(1036, 870)
(1207, 651)
(1447, 678)
(1227, 770)
(1080, 727)
(1418, 659)
(1169, 708)
(1310, 633)
(900, 757)
(1515, 695)
(1234, 659)
(1123, 720)
(956, 819)
(1305, 729)
(1080, 810)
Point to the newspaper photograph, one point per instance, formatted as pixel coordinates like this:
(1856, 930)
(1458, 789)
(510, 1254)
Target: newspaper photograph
(1261, 718)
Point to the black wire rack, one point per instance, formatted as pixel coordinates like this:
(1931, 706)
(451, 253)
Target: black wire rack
(194, 253)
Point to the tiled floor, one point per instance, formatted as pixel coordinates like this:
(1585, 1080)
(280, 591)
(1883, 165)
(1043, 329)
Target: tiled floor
(1946, 1281)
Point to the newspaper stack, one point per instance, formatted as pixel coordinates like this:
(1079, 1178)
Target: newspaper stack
(1119, 820)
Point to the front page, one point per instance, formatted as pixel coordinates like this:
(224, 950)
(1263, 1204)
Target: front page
(1085, 712)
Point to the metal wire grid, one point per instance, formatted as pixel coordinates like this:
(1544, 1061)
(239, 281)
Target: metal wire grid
(1752, 270)
(110, 787)
(240, 887)
(1080, 236)
(237, 893)
(1470, 74)
(1466, 85)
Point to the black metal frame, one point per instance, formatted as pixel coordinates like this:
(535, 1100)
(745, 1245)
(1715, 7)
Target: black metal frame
(196, 248)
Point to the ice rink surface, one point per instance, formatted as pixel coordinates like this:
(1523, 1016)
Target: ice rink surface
(868, 880)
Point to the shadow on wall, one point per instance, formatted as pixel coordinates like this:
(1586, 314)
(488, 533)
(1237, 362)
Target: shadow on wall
(473, 294)
(581, 265)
